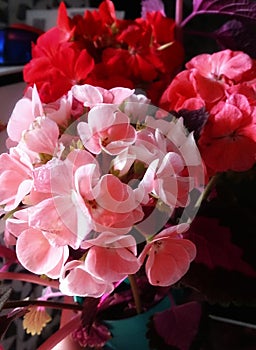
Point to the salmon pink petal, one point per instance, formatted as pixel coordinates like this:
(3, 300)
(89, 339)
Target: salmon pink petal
(114, 261)
(169, 260)
(116, 264)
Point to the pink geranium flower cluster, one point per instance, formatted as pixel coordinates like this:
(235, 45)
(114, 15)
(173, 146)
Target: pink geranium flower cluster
(93, 173)
(222, 83)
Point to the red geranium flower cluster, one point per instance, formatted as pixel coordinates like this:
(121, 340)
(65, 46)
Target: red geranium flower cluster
(224, 84)
(102, 50)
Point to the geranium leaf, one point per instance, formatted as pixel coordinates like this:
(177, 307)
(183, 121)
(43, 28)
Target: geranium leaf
(178, 326)
(225, 267)
(237, 36)
(242, 9)
(214, 246)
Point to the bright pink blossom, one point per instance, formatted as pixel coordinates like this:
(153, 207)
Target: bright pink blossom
(182, 93)
(169, 256)
(207, 80)
(222, 66)
(228, 140)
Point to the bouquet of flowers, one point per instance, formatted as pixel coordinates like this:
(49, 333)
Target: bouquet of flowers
(129, 177)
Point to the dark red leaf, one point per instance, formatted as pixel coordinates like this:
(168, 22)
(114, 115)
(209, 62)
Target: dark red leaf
(178, 325)
(214, 247)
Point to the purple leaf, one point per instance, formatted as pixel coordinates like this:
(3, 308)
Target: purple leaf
(237, 36)
(178, 325)
(241, 9)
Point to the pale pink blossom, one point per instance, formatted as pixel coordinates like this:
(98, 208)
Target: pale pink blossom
(107, 129)
(60, 110)
(59, 210)
(64, 215)
(37, 255)
(30, 107)
(17, 223)
(168, 256)
(75, 280)
(64, 220)
(90, 95)
(111, 257)
(169, 184)
(112, 204)
(15, 178)
(42, 136)
(25, 111)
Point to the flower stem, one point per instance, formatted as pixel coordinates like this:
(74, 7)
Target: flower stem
(135, 293)
(204, 195)
(178, 12)
(28, 278)
(178, 19)
(63, 332)
(51, 304)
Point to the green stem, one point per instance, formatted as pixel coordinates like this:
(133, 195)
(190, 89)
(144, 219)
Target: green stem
(135, 293)
(50, 304)
(204, 195)
(208, 189)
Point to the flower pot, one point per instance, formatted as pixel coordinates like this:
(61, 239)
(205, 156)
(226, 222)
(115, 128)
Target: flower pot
(130, 333)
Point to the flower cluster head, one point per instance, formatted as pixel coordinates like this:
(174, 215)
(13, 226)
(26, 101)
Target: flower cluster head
(103, 50)
(223, 84)
(91, 184)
